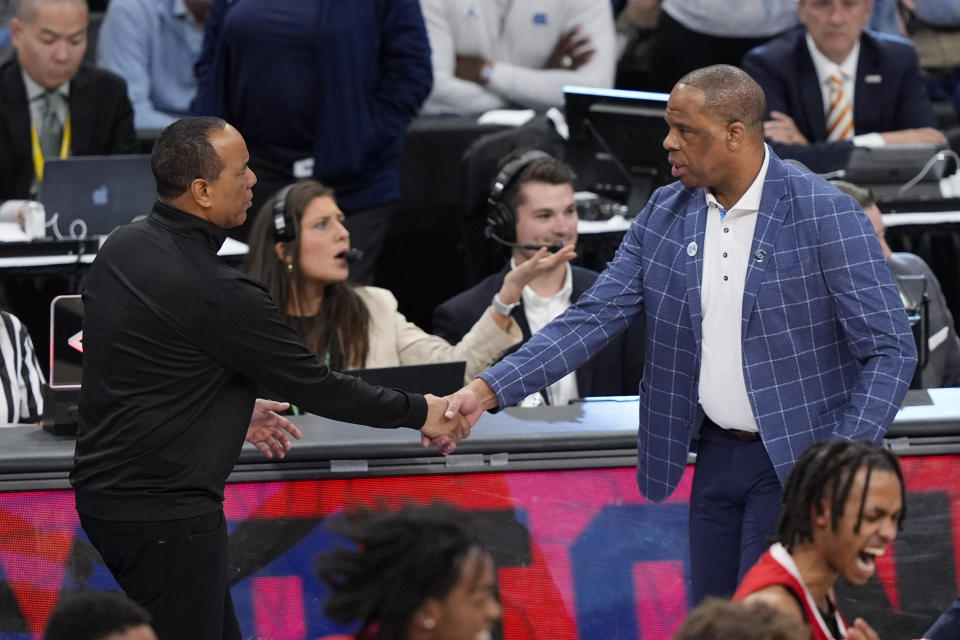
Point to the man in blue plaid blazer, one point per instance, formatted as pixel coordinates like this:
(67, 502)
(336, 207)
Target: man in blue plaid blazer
(792, 333)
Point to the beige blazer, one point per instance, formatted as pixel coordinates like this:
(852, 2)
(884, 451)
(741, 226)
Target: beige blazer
(395, 341)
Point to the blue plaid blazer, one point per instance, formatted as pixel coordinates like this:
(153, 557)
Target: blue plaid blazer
(827, 348)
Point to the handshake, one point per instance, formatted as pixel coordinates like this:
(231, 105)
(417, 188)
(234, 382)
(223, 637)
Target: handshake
(450, 419)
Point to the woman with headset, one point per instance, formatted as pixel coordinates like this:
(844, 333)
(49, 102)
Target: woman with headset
(300, 250)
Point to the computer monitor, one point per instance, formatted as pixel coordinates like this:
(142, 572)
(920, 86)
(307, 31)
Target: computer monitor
(62, 391)
(616, 142)
(66, 342)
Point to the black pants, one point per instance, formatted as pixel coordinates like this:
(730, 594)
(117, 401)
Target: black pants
(734, 506)
(176, 569)
(368, 232)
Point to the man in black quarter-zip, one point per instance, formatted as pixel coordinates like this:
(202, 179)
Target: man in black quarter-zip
(175, 344)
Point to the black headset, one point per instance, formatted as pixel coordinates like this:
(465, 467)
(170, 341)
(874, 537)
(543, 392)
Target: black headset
(501, 219)
(284, 229)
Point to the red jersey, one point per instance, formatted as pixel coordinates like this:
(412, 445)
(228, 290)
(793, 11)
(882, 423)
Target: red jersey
(777, 567)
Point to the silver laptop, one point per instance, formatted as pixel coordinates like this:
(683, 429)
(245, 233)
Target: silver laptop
(66, 342)
(93, 195)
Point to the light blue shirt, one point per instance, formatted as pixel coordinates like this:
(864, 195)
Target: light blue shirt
(153, 45)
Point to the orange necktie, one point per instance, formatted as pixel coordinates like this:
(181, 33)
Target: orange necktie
(840, 113)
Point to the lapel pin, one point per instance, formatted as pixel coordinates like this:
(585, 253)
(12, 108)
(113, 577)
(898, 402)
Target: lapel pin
(692, 249)
(760, 255)
(873, 78)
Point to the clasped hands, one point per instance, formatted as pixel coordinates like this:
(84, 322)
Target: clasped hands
(450, 419)
(572, 50)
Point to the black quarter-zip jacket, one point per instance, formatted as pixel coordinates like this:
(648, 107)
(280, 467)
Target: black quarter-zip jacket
(175, 345)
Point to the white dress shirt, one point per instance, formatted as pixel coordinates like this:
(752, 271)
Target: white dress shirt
(726, 255)
(539, 312)
(825, 68)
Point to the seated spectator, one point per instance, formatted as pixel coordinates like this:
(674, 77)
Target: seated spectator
(99, 615)
(495, 55)
(300, 250)
(719, 619)
(532, 205)
(153, 45)
(943, 363)
(417, 574)
(833, 85)
(52, 105)
(843, 505)
(21, 379)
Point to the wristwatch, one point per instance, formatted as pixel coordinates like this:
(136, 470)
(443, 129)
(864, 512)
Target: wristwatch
(502, 307)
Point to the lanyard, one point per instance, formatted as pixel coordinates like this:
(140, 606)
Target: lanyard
(38, 153)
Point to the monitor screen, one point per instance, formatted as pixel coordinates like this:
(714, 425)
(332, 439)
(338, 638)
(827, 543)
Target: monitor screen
(616, 142)
(66, 342)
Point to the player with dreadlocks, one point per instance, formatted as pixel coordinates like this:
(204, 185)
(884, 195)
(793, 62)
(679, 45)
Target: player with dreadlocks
(843, 504)
(416, 574)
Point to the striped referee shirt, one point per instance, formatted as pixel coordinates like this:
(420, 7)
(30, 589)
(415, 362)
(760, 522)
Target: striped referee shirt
(20, 375)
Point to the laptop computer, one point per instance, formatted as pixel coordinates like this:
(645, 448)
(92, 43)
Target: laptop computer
(897, 164)
(93, 195)
(440, 378)
(62, 392)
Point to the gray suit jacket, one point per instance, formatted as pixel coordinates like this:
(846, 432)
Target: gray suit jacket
(943, 365)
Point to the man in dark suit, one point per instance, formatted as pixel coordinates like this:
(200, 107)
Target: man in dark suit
(52, 105)
(532, 205)
(878, 97)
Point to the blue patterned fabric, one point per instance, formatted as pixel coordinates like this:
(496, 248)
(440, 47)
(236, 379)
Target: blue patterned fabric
(827, 348)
